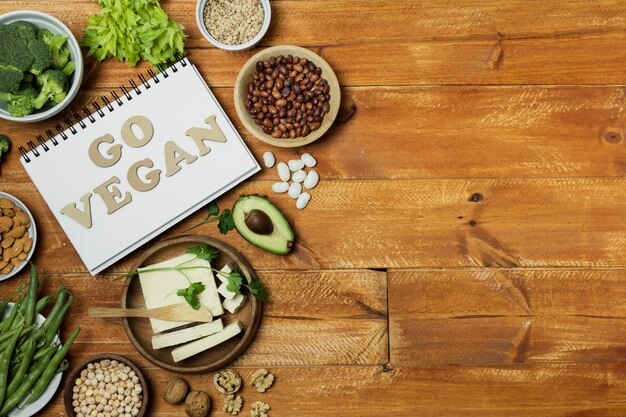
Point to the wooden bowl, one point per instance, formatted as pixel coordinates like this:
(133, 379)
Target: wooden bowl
(140, 332)
(241, 91)
(69, 384)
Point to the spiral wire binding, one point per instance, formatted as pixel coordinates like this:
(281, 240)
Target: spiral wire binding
(98, 109)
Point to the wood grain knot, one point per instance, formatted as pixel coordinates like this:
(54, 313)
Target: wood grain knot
(476, 197)
(611, 135)
(472, 223)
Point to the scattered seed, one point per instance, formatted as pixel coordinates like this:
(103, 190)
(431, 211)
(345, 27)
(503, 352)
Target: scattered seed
(283, 171)
(280, 187)
(296, 165)
(295, 189)
(303, 200)
(311, 180)
(308, 160)
(298, 176)
(269, 159)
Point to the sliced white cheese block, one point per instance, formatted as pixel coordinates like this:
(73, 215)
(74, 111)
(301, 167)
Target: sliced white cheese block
(227, 294)
(179, 337)
(159, 288)
(233, 305)
(193, 348)
(226, 269)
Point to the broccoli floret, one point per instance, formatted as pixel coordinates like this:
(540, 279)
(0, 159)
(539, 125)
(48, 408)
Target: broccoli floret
(10, 78)
(21, 103)
(5, 145)
(53, 87)
(61, 58)
(69, 68)
(26, 30)
(14, 49)
(42, 55)
(60, 53)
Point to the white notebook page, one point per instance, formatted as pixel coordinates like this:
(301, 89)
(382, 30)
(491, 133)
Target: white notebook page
(179, 102)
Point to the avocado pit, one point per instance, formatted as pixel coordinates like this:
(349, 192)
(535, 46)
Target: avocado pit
(259, 222)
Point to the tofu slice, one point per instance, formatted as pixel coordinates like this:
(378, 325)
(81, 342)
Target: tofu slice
(193, 348)
(159, 288)
(179, 337)
(234, 304)
(224, 292)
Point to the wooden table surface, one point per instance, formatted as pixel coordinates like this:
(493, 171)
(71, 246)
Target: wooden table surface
(464, 252)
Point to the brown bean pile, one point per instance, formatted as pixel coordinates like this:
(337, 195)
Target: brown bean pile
(288, 97)
(14, 240)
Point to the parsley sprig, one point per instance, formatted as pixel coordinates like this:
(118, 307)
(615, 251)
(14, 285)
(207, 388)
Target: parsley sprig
(225, 219)
(192, 292)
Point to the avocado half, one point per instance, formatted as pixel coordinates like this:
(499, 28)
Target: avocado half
(254, 210)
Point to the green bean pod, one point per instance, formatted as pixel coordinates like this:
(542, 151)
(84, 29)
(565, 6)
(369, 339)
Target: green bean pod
(5, 362)
(24, 364)
(6, 336)
(55, 324)
(26, 384)
(43, 303)
(28, 306)
(54, 363)
(58, 305)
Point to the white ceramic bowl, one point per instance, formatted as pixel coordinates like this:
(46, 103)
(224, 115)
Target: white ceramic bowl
(245, 46)
(42, 20)
(32, 232)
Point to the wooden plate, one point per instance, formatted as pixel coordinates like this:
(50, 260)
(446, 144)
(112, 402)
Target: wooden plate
(69, 385)
(244, 78)
(140, 332)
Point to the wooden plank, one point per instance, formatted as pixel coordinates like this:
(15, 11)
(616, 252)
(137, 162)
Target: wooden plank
(506, 316)
(305, 321)
(488, 132)
(587, 52)
(592, 59)
(517, 391)
(353, 21)
(413, 223)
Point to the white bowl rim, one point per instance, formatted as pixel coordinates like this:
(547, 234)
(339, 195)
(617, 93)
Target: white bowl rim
(78, 73)
(267, 8)
(32, 230)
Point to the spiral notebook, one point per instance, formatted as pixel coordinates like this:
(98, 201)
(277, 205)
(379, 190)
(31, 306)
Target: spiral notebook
(138, 163)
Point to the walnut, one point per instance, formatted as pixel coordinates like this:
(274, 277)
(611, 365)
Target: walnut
(259, 409)
(227, 381)
(197, 404)
(175, 391)
(232, 404)
(262, 379)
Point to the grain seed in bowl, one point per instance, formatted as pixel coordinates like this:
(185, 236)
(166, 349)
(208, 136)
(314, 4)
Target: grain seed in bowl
(233, 22)
(108, 387)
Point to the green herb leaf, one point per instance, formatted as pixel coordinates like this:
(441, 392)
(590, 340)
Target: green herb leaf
(213, 209)
(234, 281)
(191, 294)
(204, 251)
(226, 222)
(257, 289)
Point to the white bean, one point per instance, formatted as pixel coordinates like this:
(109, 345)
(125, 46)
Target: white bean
(298, 176)
(295, 189)
(296, 165)
(308, 160)
(312, 178)
(303, 200)
(268, 159)
(283, 171)
(280, 187)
